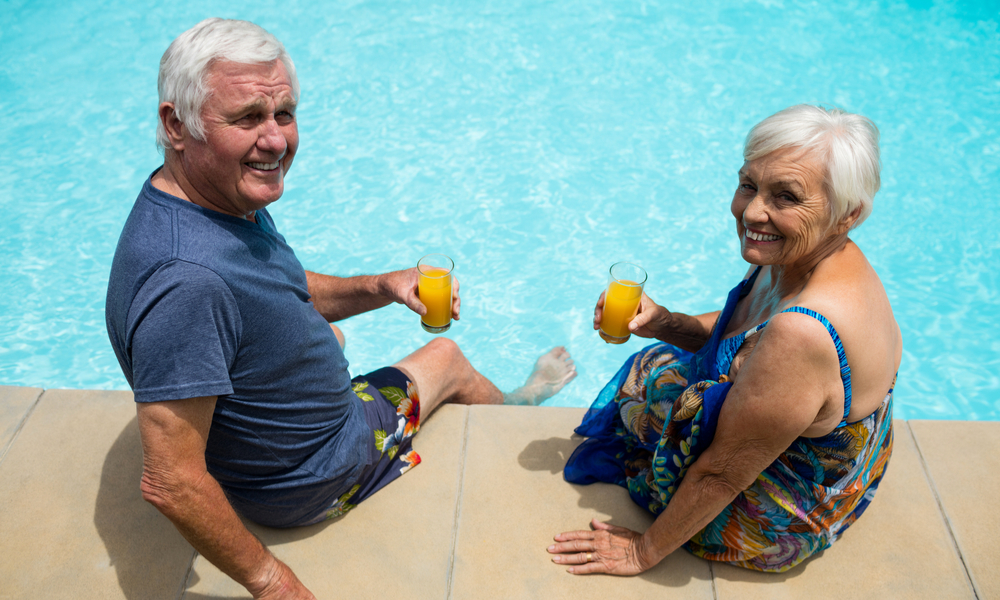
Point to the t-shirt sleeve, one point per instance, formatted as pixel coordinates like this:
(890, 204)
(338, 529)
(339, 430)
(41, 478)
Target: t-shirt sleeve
(185, 333)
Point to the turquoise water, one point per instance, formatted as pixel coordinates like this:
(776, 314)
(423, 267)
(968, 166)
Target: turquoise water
(534, 142)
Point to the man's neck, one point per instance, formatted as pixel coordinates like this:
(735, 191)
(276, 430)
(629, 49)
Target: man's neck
(167, 180)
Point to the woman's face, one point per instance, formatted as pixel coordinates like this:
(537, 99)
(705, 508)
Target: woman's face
(782, 210)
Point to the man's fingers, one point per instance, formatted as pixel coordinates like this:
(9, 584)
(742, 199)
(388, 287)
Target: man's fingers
(412, 301)
(599, 311)
(456, 300)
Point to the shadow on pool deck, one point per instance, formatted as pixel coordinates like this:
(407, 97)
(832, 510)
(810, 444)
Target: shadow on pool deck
(472, 521)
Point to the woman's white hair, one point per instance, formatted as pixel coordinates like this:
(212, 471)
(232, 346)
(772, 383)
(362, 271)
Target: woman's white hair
(185, 65)
(847, 143)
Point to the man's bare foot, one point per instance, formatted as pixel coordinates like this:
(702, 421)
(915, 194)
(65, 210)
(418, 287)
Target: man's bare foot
(553, 370)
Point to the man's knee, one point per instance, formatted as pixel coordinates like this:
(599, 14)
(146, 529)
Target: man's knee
(445, 347)
(340, 336)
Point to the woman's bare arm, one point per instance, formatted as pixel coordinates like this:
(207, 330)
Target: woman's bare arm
(654, 321)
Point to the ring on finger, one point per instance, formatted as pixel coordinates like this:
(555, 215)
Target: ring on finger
(590, 557)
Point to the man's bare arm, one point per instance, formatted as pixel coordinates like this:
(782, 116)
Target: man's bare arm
(338, 298)
(176, 481)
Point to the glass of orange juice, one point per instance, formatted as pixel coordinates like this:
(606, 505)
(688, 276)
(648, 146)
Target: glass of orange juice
(434, 289)
(621, 301)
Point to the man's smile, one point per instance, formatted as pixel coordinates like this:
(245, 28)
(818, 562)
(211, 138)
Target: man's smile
(263, 166)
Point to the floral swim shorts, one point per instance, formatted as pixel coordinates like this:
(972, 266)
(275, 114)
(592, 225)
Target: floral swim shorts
(392, 411)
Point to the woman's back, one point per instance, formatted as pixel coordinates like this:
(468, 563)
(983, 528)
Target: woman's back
(846, 290)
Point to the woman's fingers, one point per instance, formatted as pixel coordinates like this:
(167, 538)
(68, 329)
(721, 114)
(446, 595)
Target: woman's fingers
(645, 322)
(605, 548)
(579, 558)
(602, 526)
(645, 315)
(572, 545)
(590, 567)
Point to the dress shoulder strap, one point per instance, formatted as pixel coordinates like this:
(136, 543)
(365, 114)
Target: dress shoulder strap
(747, 284)
(845, 370)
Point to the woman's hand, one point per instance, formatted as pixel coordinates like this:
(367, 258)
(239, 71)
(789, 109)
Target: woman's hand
(650, 320)
(605, 549)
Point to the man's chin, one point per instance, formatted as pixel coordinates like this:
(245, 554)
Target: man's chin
(261, 196)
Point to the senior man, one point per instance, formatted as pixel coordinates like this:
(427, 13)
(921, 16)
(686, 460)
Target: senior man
(243, 396)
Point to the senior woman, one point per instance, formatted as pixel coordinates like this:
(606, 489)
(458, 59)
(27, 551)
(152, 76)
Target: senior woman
(760, 432)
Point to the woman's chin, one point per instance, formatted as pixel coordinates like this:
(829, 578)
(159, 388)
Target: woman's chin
(754, 257)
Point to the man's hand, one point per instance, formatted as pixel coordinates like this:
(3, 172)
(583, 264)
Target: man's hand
(403, 287)
(280, 584)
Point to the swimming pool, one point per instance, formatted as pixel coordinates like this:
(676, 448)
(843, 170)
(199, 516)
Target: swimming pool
(534, 142)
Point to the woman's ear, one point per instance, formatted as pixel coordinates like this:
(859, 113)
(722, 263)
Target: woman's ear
(848, 221)
(176, 131)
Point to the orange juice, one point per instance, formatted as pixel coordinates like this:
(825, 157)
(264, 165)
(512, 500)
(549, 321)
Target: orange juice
(434, 290)
(620, 305)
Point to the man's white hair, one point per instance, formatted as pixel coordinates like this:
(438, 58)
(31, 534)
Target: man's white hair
(846, 143)
(184, 66)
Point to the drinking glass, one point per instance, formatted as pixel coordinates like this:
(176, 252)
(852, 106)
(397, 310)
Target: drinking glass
(434, 289)
(621, 301)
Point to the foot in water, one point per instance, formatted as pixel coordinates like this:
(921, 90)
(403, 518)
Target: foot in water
(553, 370)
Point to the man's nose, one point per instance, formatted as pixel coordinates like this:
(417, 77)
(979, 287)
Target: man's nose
(272, 139)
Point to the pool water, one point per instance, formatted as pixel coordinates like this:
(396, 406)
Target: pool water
(534, 142)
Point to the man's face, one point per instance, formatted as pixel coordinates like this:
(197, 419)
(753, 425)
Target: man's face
(250, 138)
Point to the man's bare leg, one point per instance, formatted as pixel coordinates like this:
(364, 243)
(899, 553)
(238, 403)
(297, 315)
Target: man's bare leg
(443, 374)
(552, 371)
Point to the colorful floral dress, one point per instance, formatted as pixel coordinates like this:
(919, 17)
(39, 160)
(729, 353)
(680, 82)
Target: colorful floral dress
(658, 414)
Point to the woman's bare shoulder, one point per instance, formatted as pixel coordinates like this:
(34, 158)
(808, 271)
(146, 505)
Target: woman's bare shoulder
(849, 293)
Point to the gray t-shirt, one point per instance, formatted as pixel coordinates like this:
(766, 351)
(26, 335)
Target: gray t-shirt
(204, 304)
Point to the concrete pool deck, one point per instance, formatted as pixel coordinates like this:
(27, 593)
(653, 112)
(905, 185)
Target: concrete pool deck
(471, 522)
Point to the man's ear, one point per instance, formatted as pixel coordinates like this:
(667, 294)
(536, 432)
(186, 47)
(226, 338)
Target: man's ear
(176, 131)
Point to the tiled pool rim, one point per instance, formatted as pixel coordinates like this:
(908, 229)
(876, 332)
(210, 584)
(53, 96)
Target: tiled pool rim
(472, 521)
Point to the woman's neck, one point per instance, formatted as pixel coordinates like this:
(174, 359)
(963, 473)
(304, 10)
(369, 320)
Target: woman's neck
(786, 281)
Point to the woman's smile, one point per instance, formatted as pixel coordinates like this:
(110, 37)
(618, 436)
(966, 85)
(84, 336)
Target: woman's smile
(761, 237)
